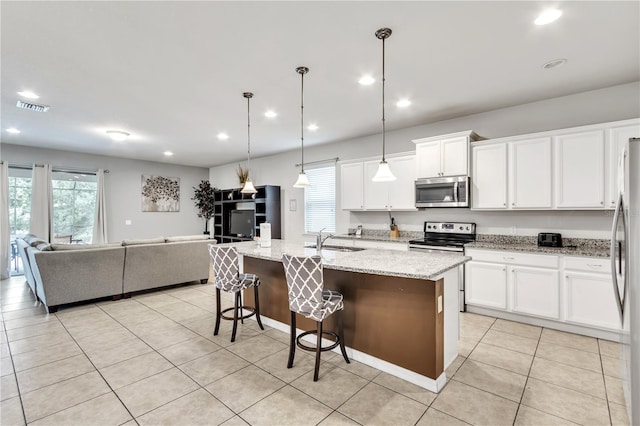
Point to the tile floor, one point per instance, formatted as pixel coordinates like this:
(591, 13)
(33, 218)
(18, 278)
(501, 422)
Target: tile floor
(152, 359)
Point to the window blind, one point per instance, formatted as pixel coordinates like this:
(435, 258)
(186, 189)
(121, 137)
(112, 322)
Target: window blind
(320, 200)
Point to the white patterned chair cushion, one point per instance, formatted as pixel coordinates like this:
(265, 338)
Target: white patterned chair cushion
(226, 272)
(305, 283)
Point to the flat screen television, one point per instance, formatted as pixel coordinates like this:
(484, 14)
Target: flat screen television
(242, 223)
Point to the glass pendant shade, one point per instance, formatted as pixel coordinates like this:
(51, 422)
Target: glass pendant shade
(302, 181)
(384, 173)
(248, 188)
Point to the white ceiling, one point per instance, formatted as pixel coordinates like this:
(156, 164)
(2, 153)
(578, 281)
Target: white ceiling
(172, 73)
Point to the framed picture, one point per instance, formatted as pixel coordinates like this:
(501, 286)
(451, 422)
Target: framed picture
(160, 194)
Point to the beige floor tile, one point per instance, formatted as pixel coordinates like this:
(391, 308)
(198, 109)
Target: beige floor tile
(103, 341)
(36, 358)
(6, 366)
(97, 327)
(472, 333)
(565, 403)
(9, 307)
(337, 419)
(49, 374)
(8, 387)
(184, 312)
(524, 330)
(25, 322)
(4, 350)
(23, 313)
(612, 367)
(256, 348)
(145, 320)
(103, 410)
(575, 341)
(38, 342)
(214, 366)
(276, 364)
(278, 335)
(235, 421)
(375, 404)
(516, 362)
(434, 417)
(476, 320)
(245, 387)
(569, 356)
(615, 392)
(11, 412)
(51, 399)
(123, 307)
(195, 408)
(131, 370)
(474, 405)
(465, 347)
(405, 388)
(511, 341)
(453, 368)
(150, 393)
(188, 350)
(492, 379)
(283, 408)
(619, 415)
(34, 330)
(155, 300)
(528, 416)
(128, 349)
(167, 337)
(79, 310)
(575, 378)
(355, 367)
(334, 385)
(609, 348)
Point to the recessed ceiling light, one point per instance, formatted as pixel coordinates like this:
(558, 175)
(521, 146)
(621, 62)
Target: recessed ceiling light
(28, 94)
(554, 63)
(402, 103)
(168, 153)
(548, 16)
(223, 136)
(313, 127)
(13, 130)
(270, 114)
(117, 135)
(366, 80)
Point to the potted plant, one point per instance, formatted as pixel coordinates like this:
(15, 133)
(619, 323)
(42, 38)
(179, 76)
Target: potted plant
(204, 198)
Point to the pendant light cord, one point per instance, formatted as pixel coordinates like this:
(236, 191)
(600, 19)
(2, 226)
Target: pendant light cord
(302, 119)
(248, 134)
(383, 124)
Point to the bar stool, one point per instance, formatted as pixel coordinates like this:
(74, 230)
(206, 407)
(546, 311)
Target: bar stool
(308, 298)
(229, 279)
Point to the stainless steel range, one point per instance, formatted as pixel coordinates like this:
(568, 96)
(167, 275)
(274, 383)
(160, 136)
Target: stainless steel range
(446, 237)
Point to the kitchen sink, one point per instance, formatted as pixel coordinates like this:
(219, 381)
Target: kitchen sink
(338, 248)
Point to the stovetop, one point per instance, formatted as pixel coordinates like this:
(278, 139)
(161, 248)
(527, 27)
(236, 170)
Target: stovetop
(447, 234)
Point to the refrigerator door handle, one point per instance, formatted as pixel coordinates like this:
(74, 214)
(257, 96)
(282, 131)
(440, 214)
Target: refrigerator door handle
(612, 252)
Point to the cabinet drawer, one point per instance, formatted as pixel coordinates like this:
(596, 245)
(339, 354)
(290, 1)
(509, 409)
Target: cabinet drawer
(513, 258)
(588, 264)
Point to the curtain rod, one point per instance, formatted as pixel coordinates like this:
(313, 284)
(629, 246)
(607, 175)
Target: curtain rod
(54, 168)
(328, 160)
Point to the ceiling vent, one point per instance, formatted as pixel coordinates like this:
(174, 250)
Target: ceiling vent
(33, 107)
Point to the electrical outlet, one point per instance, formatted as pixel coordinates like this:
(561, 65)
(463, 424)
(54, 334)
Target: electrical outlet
(513, 230)
(127, 222)
(439, 304)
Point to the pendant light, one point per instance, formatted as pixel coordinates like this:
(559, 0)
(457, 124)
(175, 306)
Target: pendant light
(248, 187)
(302, 181)
(384, 172)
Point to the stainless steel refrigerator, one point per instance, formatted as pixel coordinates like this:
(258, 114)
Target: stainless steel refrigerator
(625, 271)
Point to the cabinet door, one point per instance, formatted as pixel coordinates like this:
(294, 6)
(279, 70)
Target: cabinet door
(428, 159)
(590, 300)
(402, 190)
(486, 285)
(530, 174)
(617, 138)
(376, 194)
(455, 156)
(535, 291)
(489, 177)
(579, 170)
(351, 186)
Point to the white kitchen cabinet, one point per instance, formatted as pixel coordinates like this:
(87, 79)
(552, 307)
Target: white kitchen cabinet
(535, 291)
(486, 285)
(402, 193)
(489, 176)
(530, 174)
(446, 155)
(376, 194)
(429, 159)
(618, 136)
(579, 170)
(351, 186)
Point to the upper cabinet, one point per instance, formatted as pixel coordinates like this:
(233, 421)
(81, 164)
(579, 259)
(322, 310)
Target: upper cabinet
(618, 136)
(489, 178)
(446, 155)
(530, 174)
(351, 184)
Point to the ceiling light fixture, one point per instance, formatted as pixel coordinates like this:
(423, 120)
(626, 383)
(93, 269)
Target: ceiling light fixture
(168, 153)
(270, 114)
(313, 127)
(403, 103)
(366, 80)
(248, 187)
(223, 136)
(548, 16)
(554, 63)
(28, 94)
(384, 172)
(118, 135)
(302, 181)
(13, 130)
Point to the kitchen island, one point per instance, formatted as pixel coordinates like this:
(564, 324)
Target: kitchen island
(401, 308)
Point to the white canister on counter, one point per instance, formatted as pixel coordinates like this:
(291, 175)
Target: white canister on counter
(265, 234)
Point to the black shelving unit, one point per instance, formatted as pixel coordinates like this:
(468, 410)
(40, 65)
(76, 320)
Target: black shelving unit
(266, 208)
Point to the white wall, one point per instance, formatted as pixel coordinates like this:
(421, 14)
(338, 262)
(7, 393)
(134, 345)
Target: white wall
(598, 106)
(123, 185)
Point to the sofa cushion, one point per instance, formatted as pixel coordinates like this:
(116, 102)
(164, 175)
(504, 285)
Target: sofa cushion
(43, 246)
(61, 247)
(33, 241)
(145, 241)
(188, 238)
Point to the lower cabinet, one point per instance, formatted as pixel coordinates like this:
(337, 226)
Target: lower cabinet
(486, 285)
(535, 291)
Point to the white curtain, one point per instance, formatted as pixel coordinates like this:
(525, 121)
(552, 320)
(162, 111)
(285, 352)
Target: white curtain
(100, 223)
(5, 243)
(41, 224)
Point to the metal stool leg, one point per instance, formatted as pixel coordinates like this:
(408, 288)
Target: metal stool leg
(341, 337)
(235, 317)
(219, 312)
(292, 342)
(318, 352)
(257, 306)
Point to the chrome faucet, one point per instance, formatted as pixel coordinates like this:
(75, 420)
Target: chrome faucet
(320, 240)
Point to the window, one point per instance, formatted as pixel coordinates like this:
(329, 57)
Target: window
(74, 204)
(19, 200)
(320, 200)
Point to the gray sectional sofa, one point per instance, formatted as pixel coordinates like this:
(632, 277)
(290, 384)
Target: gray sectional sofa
(65, 273)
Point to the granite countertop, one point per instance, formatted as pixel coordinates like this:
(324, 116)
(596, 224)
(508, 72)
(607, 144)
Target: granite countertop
(372, 237)
(393, 263)
(571, 246)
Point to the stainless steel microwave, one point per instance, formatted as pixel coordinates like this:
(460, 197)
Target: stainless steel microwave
(452, 191)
